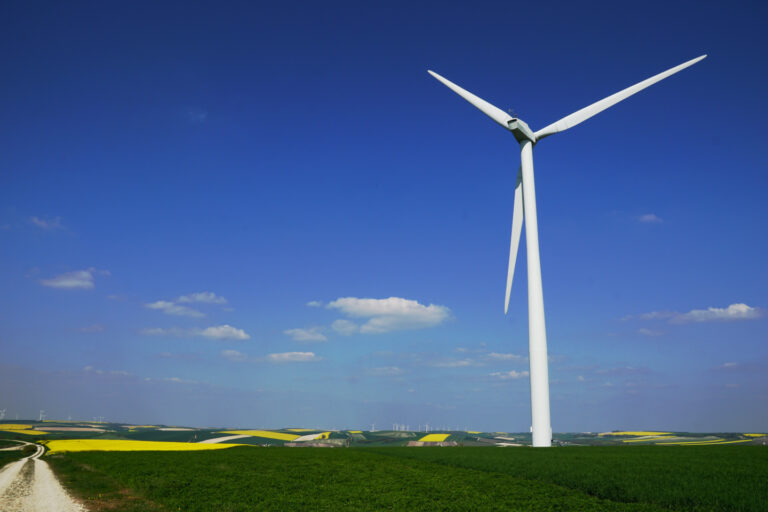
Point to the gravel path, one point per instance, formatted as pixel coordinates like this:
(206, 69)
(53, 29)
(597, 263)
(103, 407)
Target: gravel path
(223, 439)
(29, 485)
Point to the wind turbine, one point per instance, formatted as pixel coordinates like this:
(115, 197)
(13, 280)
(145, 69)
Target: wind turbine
(525, 206)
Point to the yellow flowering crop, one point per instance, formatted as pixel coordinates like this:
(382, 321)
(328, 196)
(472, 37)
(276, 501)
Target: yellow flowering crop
(118, 445)
(26, 432)
(634, 433)
(707, 443)
(263, 433)
(15, 426)
(754, 435)
(300, 429)
(646, 439)
(434, 438)
(473, 432)
(355, 431)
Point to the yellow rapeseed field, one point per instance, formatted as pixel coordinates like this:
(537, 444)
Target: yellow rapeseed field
(707, 443)
(473, 432)
(15, 426)
(355, 431)
(646, 438)
(634, 433)
(754, 435)
(434, 438)
(117, 445)
(301, 429)
(263, 433)
(26, 432)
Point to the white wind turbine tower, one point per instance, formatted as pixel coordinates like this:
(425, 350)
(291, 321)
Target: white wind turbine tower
(525, 206)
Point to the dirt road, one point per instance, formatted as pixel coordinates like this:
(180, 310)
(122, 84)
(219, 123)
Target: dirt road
(29, 485)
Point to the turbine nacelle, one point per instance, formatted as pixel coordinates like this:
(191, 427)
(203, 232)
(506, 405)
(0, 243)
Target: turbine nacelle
(520, 130)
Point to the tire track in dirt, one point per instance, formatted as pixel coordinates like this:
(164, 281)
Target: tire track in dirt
(29, 485)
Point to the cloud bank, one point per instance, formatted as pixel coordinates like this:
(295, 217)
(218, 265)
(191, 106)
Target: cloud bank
(292, 357)
(309, 334)
(54, 223)
(205, 297)
(82, 279)
(217, 332)
(733, 312)
(391, 314)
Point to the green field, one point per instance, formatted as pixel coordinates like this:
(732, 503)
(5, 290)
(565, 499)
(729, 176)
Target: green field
(6, 457)
(638, 478)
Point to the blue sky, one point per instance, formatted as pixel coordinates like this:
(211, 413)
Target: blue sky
(268, 216)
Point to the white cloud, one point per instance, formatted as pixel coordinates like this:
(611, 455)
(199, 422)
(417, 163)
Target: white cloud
(160, 331)
(310, 334)
(314, 304)
(506, 357)
(730, 365)
(512, 374)
(455, 363)
(170, 308)
(234, 355)
(54, 223)
(224, 332)
(205, 297)
(76, 279)
(117, 373)
(732, 312)
(393, 313)
(385, 371)
(737, 311)
(650, 218)
(649, 332)
(345, 327)
(292, 357)
(216, 332)
(177, 380)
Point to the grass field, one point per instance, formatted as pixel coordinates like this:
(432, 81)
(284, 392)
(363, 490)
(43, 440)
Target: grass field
(10, 456)
(631, 478)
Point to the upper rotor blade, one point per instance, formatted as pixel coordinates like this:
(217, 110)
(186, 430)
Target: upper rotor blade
(486, 108)
(587, 112)
(517, 227)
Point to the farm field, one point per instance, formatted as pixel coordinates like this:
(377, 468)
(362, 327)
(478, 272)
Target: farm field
(32, 431)
(636, 478)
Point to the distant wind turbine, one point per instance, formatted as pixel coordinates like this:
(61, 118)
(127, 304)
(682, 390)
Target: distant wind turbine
(525, 205)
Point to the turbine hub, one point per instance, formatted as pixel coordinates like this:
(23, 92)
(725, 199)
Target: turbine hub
(520, 130)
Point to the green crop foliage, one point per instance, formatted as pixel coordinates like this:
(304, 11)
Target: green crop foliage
(679, 477)
(10, 456)
(462, 478)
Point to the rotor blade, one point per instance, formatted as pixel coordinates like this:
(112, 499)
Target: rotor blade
(517, 227)
(486, 108)
(587, 112)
